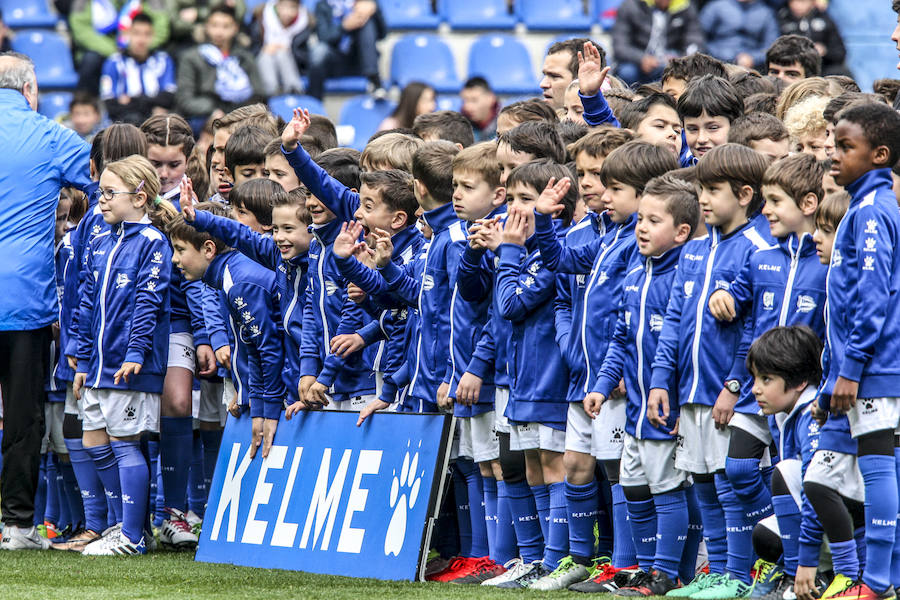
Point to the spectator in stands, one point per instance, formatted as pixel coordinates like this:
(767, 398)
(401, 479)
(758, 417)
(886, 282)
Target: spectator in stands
(793, 57)
(803, 17)
(4, 35)
(188, 17)
(285, 26)
(560, 68)
(85, 116)
(739, 31)
(416, 99)
(648, 33)
(98, 28)
(138, 81)
(481, 107)
(347, 32)
(219, 75)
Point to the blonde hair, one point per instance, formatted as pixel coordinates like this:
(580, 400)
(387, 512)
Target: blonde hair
(806, 117)
(391, 150)
(799, 90)
(139, 175)
(480, 159)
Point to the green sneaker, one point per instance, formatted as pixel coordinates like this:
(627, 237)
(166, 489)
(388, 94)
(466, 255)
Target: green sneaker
(726, 588)
(597, 566)
(700, 582)
(564, 575)
(767, 577)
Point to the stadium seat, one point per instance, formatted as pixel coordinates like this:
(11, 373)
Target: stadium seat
(604, 12)
(871, 58)
(364, 114)
(346, 85)
(504, 61)
(51, 55)
(409, 14)
(28, 13)
(424, 58)
(553, 16)
(54, 104)
(453, 103)
(477, 14)
(284, 106)
(250, 7)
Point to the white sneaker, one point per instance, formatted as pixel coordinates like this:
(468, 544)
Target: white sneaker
(194, 521)
(567, 573)
(514, 569)
(116, 544)
(97, 547)
(23, 538)
(176, 531)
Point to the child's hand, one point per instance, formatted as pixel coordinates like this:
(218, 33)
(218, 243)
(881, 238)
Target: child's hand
(370, 409)
(550, 200)
(591, 72)
(346, 344)
(658, 407)
(805, 583)
(256, 437)
(592, 403)
(78, 384)
(820, 416)
(187, 193)
(223, 356)
(488, 236)
(476, 231)
(355, 293)
(347, 240)
(317, 394)
(515, 229)
(443, 402)
(384, 248)
(295, 129)
(721, 305)
(303, 389)
(234, 408)
(127, 368)
(294, 408)
(619, 391)
(364, 254)
(468, 389)
(843, 396)
(206, 360)
(73, 362)
(723, 409)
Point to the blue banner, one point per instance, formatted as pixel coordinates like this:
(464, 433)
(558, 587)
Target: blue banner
(331, 497)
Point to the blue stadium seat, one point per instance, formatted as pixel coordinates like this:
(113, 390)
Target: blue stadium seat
(860, 18)
(871, 58)
(54, 104)
(453, 103)
(504, 61)
(51, 55)
(250, 7)
(424, 58)
(477, 14)
(604, 12)
(409, 14)
(28, 13)
(284, 106)
(364, 114)
(553, 16)
(346, 85)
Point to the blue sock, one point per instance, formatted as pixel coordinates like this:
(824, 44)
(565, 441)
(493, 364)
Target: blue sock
(845, 559)
(687, 567)
(859, 536)
(475, 494)
(489, 485)
(135, 477)
(671, 531)
(175, 444)
(108, 471)
(604, 519)
(196, 482)
(880, 477)
(463, 514)
(738, 532)
(642, 516)
(506, 533)
(92, 497)
(52, 510)
(72, 494)
(158, 502)
(624, 554)
(212, 439)
(713, 525)
(581, 501)
(526, 521)
(65, 514)
(557, 546)
(541, 495)
(153, 452)
(747, 482)
(788, 514)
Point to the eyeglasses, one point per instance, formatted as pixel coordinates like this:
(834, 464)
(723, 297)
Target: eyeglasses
(109, 194)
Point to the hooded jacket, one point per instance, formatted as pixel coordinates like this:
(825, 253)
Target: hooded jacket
(634, 24)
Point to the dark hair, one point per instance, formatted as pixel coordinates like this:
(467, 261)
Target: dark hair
(635, 163)
(832, 208)
(383, 132)
(715, 95)
(789, 49)
(647, 89)
(169, 130)
(342, 164)
(246, 146)
(693, 65)
(445, 125)
(634, 113)
(792, 353)
(535, 174)
(573, 46)
(258, 196)
(322, 130)
(432, 166)
(747, 83)
(887, 88)
(121, 140)
(97, 151)
(477, 82)
(534, 109)
(141, 17)
(881, 126)
(846, 83)
(680, 197)
(761, 103)
(296, 198)
(839, 103)
(756, 126)
(84, 98)
(798, 175)
(895, 6)
(736, 165)
(618, 100)
(396, 189)
(223, 9)
(537, 138)
(570, 132)
(601, 141)
(405, 113)
(196, 169)
(179, 229)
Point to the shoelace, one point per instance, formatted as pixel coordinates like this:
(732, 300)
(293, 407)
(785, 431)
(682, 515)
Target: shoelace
(605, 572)
(564, 566)
(763, 571)
(180, 524)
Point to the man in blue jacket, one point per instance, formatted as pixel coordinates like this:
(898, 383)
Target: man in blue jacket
(47, 158)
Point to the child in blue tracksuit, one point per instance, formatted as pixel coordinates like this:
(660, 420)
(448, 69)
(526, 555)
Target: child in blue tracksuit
(122, 344)
(782, 285)
(653, 485)
(862, 317)
(702, 351)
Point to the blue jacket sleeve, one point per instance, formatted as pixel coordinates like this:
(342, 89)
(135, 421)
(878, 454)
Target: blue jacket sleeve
(265, 347)
(339, 199)
(597, 110)
(193, 293)
(216, 327)
(482, 362)
(84, 335)
(401, 282)
(373, 331)
(741, 289)
(151, 293)
(167, 81)
(371, 282)
(562, 312)
(352, 319)
(517, 298)
(665, 362)
(556, 256)
(254, 246)
(811, 530)
(474, 277)
(311, 340)
(73, 155)
(613, 366)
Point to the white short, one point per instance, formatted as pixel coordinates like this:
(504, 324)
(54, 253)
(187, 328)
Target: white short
(650, 463)
(181, 351)
(211, 407)
(120, 413)
(354, 404)
(755, 425)
(837, 471)
(195, 403)
(477, 437)
(701, 447)
(874, 414)
(73, 406)
(53, 428)
(579, 429)
(608, 430)
(501, 399)
(791, 470)
(534, 436)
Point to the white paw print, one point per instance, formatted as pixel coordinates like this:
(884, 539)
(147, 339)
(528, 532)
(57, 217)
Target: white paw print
(404, 493)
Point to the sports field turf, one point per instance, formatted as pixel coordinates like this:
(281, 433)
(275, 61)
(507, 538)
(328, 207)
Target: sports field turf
(55, 575)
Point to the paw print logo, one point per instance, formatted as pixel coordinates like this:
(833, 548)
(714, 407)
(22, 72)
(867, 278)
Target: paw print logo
(828, 458)
(129, 413)
(679, 442)
(869, 406)
(618, 435)
(404, 493)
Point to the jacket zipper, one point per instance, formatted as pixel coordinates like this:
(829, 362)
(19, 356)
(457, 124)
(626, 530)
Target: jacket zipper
(584, 312)
(640, 349)
(109, 260)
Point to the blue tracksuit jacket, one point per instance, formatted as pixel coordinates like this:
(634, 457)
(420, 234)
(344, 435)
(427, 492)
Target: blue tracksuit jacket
(64, 261)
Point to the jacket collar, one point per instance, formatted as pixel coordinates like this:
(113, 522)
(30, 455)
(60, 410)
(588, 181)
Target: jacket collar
(666, 261)
(872, 180)
(128, 228)
(13, 99)
(405, 237)
(441, 217)
(216, 267)
(806, 398)
(327, 232)
(801, 246)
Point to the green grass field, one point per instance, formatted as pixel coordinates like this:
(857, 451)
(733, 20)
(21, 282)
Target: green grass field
(168, 575)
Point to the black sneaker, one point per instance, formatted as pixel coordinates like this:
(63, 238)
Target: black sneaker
(783, 591)
(654, 583)
(528, 578)
(606, 580)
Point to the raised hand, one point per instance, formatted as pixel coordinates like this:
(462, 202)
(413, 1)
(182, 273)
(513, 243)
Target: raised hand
(295, 129)
(591, 72)
(384, 247)
(188, 198)
(347, 240)
(550, 200)
(516, 228)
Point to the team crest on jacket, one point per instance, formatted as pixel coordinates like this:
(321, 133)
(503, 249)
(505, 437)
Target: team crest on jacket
(122, 280)
(330, 287)
(868, 263)
(768, 300)
(603, 278)
(656, 323)
(427, 282)
(688, 289)
(836, 258)
(805, 304)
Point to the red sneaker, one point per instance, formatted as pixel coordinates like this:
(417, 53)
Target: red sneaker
(861, 591)
(483, 570)
(460, 567)
(606, 580)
